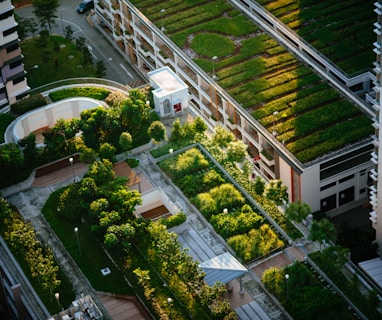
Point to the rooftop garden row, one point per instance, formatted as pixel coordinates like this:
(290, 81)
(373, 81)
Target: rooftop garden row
(280, 92)
(340, 30)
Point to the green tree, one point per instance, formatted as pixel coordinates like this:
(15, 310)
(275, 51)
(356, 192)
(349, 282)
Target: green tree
(259, 185)
(276, 192)
(237, 151)
(297, 211)
(157, 131)
(101, 172)
(199, 127)
(322, 231)
(46, 12)
(100, 69)
(119, 237)
(125, 141)
(177, 134)
(107, 151)
(69, 33)
(222, 137)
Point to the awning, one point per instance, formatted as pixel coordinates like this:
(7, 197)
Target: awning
(223, 268)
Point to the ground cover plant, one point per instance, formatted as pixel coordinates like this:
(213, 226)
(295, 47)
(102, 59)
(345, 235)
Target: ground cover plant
(222, 205)
(340, 30)
(280, 92)
(303, 295)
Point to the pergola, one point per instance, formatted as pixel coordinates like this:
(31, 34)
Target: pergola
(223, 268)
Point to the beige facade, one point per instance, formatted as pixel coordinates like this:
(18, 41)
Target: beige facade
(13, 84)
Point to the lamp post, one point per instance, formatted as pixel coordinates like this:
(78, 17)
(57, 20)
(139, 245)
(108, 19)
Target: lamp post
(78, 240)
(274, 120)
(169, 301)
(30, 72)
(287, 285)
(62, 23)
(225, 211)
(172, 160)
(213, 66)
(57, 296)
(71, 161)
(161, 19)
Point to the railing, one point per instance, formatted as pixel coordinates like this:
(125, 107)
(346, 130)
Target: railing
(80, 81)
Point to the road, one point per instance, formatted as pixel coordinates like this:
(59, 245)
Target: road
(117, 67)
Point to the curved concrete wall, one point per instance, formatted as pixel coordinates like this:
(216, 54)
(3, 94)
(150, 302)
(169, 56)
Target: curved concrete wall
(47, 116)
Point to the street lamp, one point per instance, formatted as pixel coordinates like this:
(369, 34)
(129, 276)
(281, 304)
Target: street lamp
(30, 72)
(274, 120)
(57, 296)
(225, 211)
(169, 301)
(287, 285)
(161, 19)
(71, 161)
(62, 24)
(78, 240)
(172, 159)
(213, 66)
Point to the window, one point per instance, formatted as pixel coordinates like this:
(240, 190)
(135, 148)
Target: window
(15, 64)
(12, 48)
(178, 107)
(6, 15)
(346, 178)
(18, 80)
(329, 203)
(9, 31)
(327, 186)
(346, 196)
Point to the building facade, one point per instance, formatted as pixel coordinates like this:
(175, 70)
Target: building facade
(376, 99)
(334, 182)
(13, 84)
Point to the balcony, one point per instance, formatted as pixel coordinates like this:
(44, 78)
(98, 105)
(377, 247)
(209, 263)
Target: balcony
(267, 158)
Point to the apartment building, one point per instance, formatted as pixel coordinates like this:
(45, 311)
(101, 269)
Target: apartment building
(13, 84)
(331, 183)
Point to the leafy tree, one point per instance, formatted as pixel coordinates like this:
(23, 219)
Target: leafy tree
(177, 134)
(236, 151)
(297, 211)
(101, 172)
(125, 141)
(31, 26)
(119, 237)
(322, 230)
(157, 131)
(30, 151)
(276, 192)
(42, 41)
(46, 12)
(69, 33)
(100, 69)
(124, 201)
(107, 151)
(86, 56)
(274, 281)
(222, 137)
(80, 43)
(11, 161)
(259, 185)
(199, 127)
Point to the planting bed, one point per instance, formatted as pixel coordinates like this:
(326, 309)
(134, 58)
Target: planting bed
(280, 92)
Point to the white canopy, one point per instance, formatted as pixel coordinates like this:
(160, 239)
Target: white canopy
(223, 268)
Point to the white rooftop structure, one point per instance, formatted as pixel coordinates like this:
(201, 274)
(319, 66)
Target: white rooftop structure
(170, 92)
(223, 268)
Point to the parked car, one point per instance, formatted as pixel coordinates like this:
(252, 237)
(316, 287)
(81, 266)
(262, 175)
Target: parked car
(85, 6)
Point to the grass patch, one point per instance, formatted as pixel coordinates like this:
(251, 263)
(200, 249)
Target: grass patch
(53, 65)
(89, 256)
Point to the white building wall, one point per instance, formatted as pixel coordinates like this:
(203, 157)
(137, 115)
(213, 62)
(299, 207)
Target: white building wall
(310, 187)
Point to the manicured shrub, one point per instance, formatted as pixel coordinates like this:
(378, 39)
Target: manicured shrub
(90, 92)
(27, 104)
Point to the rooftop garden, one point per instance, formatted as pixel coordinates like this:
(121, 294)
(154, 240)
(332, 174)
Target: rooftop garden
(285, 96)
(341, 30)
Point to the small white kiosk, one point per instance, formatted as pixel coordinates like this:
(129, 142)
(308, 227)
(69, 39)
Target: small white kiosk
(170, 92)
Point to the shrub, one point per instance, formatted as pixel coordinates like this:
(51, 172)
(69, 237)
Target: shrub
(90, 92)
(174, 220)
(27, 104)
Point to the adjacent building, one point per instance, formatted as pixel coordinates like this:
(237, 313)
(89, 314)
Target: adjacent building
(13, 84)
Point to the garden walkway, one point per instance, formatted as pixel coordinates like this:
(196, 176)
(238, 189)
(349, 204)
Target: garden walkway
(196, 234)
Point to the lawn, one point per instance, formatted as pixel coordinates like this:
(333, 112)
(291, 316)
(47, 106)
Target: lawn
(59, 60)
